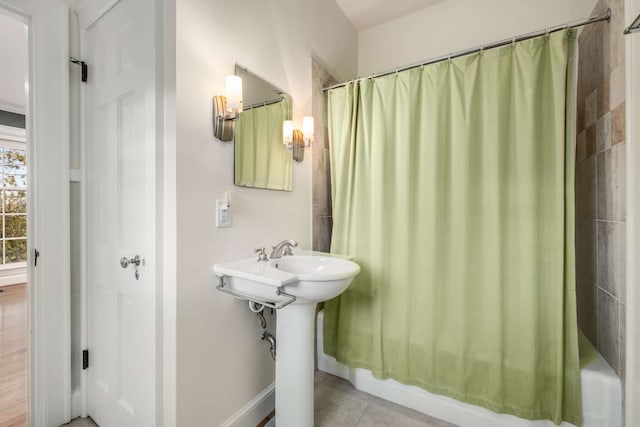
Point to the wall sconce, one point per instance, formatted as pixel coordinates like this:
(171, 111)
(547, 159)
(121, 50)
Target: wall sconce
(297, 140)
(226, 109)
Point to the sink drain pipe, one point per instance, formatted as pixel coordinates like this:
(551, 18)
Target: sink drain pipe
(258, 309)
(266, 336)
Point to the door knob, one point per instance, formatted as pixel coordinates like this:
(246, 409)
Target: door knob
(124, 261)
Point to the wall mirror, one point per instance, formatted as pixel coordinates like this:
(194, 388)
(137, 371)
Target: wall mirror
(261, 159)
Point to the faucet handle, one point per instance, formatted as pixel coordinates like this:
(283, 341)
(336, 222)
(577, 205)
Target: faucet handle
(262, 254)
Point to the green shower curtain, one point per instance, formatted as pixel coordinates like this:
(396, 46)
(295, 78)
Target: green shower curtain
(261, 159)
(452, 187)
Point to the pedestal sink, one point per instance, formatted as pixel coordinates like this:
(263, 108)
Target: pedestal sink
(294, 285)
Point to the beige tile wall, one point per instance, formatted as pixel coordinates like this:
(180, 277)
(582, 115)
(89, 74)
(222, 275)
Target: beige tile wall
(321, 175)
(600, 184)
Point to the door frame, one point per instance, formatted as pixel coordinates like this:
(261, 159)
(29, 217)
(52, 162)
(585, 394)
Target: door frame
(48, 209)
(88, 12)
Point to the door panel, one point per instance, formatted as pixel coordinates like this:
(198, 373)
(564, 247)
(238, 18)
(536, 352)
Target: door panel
(121, 215)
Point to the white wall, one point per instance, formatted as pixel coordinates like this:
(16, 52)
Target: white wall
(456, 25)
(14, 52)
(221, 362)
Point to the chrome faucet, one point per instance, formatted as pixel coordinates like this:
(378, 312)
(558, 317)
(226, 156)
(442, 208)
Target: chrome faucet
(283, 248)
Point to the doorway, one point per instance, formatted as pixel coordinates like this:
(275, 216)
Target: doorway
(47, 246)
(14, 307)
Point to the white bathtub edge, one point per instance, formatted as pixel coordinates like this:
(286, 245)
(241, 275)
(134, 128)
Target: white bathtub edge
(466, 415)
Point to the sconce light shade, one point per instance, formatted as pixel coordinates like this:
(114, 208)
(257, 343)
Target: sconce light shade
(234, 93)
(307, 130)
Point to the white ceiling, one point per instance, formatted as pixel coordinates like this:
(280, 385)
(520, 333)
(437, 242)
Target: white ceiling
(13, 55)
(368, 13)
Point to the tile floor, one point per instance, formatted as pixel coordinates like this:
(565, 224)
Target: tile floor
(339, 404)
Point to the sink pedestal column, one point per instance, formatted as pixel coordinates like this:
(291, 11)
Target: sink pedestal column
(295, 365)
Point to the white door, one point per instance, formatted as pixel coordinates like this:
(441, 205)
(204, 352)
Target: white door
(121, 205)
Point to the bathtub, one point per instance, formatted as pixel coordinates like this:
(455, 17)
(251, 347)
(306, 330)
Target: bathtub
(601, 393)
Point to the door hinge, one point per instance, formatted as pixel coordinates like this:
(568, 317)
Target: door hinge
(83, 66)
(36, 254)
(85, 359)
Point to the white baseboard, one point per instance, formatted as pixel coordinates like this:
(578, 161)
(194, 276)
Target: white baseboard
(13, 275)
(254, 411)
(13, 280)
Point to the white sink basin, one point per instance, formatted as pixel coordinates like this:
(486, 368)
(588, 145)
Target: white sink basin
(314, 267)
(310, 278)
(319, 278)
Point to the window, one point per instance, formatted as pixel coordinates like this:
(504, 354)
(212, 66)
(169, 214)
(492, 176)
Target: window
(13, 173)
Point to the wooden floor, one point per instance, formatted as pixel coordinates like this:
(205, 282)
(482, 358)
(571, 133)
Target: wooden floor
(13, 356)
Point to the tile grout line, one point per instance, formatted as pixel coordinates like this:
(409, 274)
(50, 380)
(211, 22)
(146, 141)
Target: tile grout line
(363, 412)
(608, 293)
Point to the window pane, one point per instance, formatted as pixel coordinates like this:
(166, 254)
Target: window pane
(15, 201)
(16, 250)
(15, 181)
(15, 226)
(14, 157)
(15, 170)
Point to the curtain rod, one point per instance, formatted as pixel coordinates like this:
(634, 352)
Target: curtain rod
(634, 27)
(605, 16)
(263, 104)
